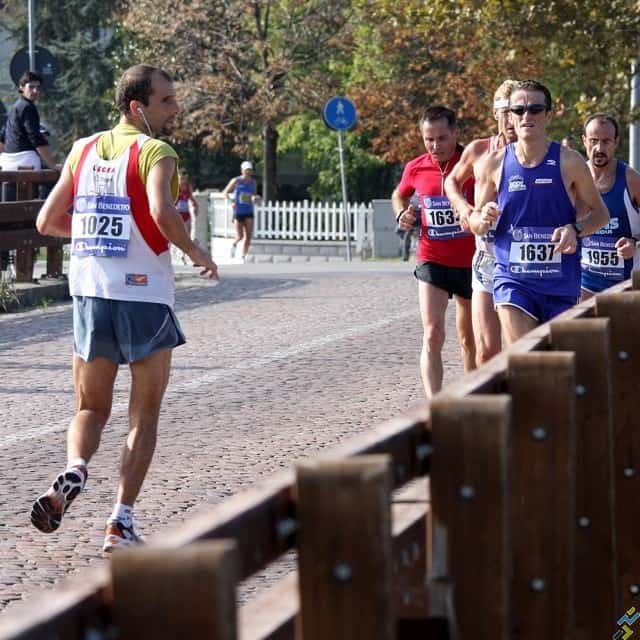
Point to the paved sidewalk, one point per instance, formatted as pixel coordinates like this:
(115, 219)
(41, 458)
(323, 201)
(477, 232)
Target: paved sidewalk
(282, 361)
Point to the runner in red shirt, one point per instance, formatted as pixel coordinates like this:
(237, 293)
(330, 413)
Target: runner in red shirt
(445, 247)
(185, 196)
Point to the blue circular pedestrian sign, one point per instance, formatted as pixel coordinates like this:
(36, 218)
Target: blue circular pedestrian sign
(339, 113)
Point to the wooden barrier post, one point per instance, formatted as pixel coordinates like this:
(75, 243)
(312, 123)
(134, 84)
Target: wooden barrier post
(542, 474)
(597, 603)
(344, 547)
(24, 257)
(469, 505)
(623, 310)
(176, 593)
(54, 261)
(635, 279)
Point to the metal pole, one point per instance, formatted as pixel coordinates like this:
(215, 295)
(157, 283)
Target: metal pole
(347, 221)
(32, 28)
(634, 128)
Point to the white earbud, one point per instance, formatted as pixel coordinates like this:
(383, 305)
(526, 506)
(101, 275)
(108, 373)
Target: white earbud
(146, 124)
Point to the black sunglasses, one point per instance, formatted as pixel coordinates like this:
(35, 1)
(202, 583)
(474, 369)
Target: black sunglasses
(521, 109)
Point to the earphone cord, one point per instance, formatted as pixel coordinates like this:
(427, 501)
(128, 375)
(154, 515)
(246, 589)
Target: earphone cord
(146, 123)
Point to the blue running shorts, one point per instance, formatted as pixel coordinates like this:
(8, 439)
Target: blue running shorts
(122, 331)
(539, 306)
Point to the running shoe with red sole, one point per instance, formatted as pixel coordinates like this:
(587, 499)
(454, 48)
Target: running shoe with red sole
(48, 509)
(118, 535)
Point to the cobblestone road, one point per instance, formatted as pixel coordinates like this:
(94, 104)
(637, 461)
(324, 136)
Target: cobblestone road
(282, 361)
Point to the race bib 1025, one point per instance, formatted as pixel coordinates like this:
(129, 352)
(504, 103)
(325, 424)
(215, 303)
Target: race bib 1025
(101, 226)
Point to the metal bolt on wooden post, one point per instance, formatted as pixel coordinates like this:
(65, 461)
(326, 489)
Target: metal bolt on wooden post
(176, 593)
(542, 475)
(596, 598)
(469, 514)
(623, 310)
(344, 549)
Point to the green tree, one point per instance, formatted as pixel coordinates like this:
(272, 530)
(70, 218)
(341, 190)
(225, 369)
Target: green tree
(244, 66)
(457, 52)
(367, 175)
(82, 35)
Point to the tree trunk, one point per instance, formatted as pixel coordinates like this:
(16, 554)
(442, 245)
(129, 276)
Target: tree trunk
(269, 164)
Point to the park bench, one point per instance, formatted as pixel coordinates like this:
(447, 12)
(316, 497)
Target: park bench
(525, 529)
(17, 224)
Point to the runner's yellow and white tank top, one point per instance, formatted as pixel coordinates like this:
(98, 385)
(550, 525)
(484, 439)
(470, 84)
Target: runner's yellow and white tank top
(117, 250)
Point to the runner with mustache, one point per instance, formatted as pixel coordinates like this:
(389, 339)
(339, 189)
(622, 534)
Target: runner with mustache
(608, 256)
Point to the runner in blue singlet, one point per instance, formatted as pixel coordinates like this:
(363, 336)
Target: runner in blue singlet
(529, 190)
(608, 256)
(243, 191)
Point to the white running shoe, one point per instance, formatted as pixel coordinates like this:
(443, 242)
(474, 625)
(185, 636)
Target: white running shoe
(118, 535)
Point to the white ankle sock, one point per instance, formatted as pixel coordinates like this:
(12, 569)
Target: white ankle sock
(123, 513)
(77, 462)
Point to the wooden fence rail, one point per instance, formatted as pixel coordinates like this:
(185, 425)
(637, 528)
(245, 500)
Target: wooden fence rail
(17, 224)
(505, 509)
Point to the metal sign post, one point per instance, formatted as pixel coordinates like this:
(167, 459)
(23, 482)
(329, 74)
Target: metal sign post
(634, 129)
(347, 220)
(32, 29)
(340, 114)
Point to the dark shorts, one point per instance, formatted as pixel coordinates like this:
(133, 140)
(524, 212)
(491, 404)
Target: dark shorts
(539, 306)
(122, 331)
(242, 216)
(456, 281)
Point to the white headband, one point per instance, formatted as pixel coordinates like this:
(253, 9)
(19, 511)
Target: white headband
(501, 103)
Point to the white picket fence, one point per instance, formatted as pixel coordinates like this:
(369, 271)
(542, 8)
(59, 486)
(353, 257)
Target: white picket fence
(306, 222)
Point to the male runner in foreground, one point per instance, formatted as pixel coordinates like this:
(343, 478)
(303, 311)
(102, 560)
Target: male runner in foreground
(528, 190)
(122, 185)
(486, 325)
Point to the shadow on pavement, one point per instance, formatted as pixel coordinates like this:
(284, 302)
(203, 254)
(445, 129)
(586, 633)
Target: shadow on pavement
(36, 325)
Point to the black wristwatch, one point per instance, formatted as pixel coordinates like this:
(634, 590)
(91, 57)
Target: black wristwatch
(398, 216)
(577, 227)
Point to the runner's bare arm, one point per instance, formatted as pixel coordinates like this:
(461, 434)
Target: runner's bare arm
(169, 221)
(462, 171)
(230, 188)
(579, 183)
(633, 184)
(398, 202)
(576, 174)
(53, 218)
(627, 246)
(485, 213)
(400, 205)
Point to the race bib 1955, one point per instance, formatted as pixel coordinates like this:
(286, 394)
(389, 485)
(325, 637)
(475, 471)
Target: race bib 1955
(600, 257)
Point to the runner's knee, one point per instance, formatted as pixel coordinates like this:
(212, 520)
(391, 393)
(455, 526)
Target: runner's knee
(433, 337)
